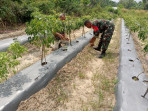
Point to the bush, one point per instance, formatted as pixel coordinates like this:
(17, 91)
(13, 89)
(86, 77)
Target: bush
(110, 9)
(117, 11)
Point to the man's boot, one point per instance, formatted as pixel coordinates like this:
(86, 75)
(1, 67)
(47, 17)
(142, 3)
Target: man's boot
(102, 54)
(100, 43)
(99, 46)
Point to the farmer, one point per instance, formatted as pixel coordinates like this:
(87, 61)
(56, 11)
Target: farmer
(106, 28)
(60, 36)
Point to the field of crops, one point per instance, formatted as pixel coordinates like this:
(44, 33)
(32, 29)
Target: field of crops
(36, 77)
(137, 21)
(44, 26)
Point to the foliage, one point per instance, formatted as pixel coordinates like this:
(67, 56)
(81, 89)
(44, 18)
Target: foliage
(42, 27)
(16, 11)
(115, 11)
(42, 21)
(6, 63)
(16, 50)
(132, 4)
(8, 59)
(137, 21)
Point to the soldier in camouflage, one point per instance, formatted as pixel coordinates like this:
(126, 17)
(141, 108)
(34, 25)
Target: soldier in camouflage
(106, 28)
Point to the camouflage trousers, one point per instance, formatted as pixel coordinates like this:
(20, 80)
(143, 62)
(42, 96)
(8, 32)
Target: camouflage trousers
(106, 38)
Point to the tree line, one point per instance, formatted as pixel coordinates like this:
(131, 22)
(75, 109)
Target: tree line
(16, 11)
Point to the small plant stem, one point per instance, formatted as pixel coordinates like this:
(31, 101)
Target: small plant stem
(42, 55)
(83, 32)
(74, 34)
(139, 74)
(145, 93)
(70, 38)
(129, 35)
(69, 32)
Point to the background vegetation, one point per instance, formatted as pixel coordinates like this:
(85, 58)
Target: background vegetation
(19, 11)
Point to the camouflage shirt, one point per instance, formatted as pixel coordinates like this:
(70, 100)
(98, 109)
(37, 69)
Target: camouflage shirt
(101, 26)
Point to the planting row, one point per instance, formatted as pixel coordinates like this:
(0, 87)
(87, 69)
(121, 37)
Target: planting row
(137, 21)
(131, 93)
(40, 31)
(33, 78)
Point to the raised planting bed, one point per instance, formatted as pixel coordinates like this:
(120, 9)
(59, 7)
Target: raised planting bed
(4, 44)
(34, 78)
(130, 88)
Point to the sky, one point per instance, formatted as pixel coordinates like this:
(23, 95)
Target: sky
(135, 0)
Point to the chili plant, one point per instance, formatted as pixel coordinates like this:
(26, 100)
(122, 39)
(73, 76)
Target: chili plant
(8, 59)
(16, 50)
(41, 30)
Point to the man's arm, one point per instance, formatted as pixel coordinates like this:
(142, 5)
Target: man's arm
(59, 35)
(96, 34)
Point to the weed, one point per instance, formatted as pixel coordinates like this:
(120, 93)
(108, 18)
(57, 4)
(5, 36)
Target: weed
(82, 75)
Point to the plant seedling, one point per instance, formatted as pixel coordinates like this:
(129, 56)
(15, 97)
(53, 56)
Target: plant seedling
(129, 36)
(145, 93)
(136, 77)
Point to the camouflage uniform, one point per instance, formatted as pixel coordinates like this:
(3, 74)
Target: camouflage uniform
(106, 28)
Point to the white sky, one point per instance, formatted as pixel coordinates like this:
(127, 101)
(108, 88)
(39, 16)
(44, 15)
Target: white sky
(135, 0)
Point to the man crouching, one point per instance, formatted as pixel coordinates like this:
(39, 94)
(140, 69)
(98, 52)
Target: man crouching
(106, 28)
(60, 36)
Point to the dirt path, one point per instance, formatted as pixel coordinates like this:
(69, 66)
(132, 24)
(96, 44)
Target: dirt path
(85, 84)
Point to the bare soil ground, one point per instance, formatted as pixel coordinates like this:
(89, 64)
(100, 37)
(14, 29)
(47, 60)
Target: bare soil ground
(34, 54)
(85, 84)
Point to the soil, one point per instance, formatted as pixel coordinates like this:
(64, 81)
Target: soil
(85, 84)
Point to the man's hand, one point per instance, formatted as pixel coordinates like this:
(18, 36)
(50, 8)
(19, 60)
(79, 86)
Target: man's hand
(92, 41)
(59, 35)
(66, 39)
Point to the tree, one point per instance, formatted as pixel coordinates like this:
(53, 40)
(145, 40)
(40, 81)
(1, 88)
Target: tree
(128, 3)
(145, 4)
